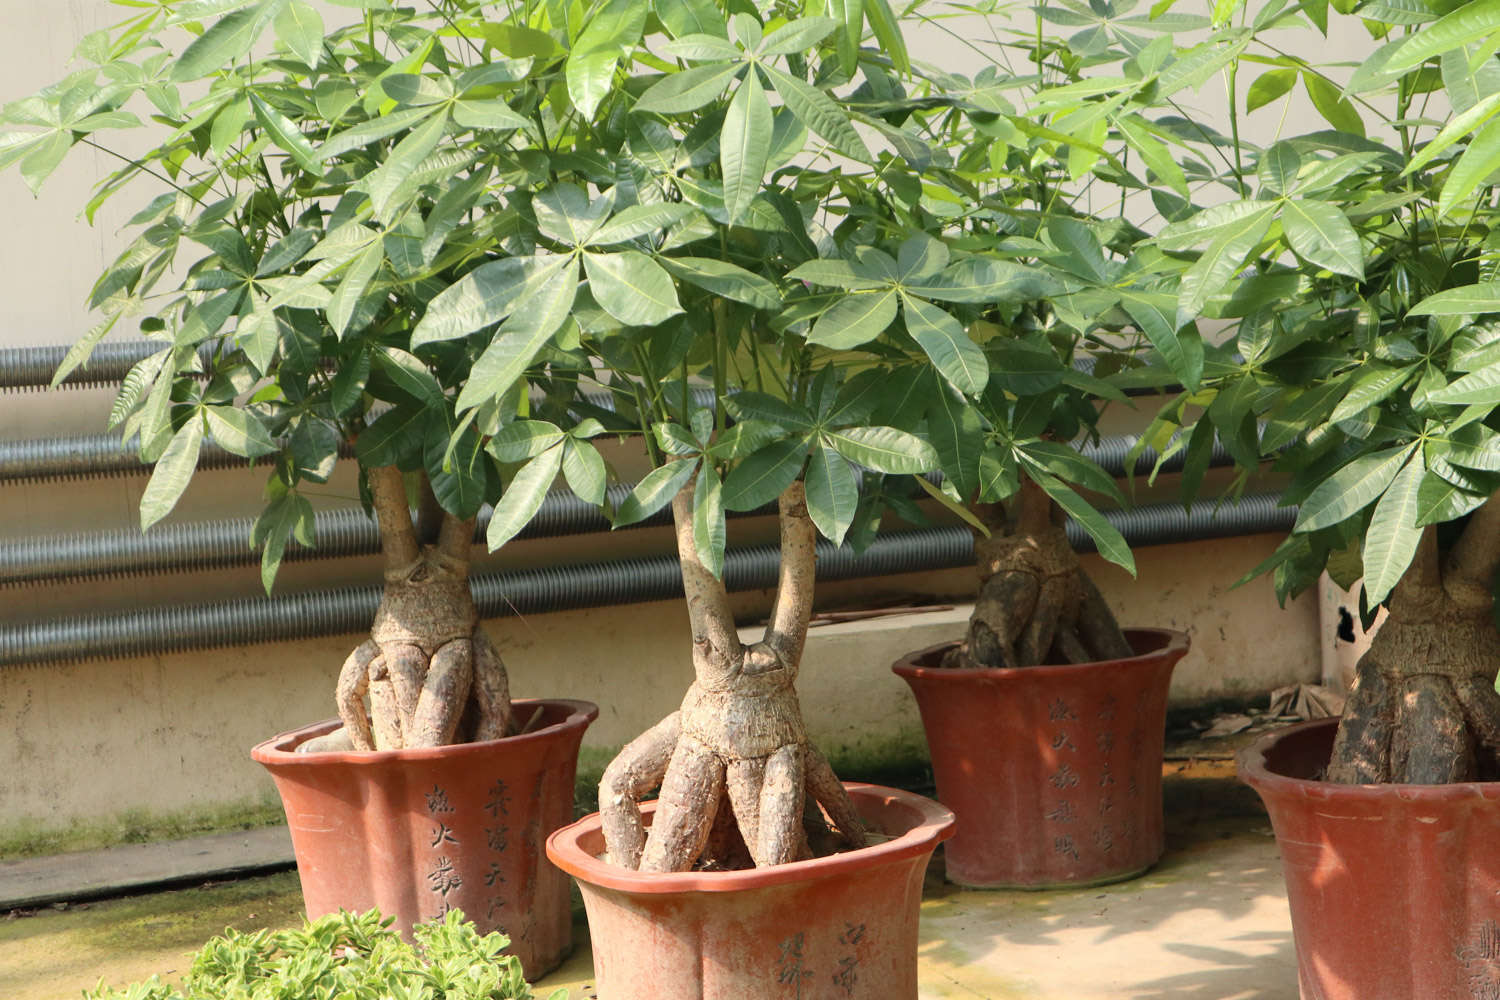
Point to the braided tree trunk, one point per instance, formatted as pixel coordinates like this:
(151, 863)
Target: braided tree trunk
(1423, 708)
(740, 783)
(430, 674)
(1036, 604)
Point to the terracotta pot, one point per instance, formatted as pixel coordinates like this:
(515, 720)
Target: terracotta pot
(842, 926)
(418, 832)
(1054, 772)
(1394, 889)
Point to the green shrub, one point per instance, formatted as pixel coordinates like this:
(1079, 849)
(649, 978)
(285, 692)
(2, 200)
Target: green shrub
(346, 956)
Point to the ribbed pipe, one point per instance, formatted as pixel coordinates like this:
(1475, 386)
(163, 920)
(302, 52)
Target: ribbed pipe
(103, 455)
(339, 533)
(177, 628)
(32, 367)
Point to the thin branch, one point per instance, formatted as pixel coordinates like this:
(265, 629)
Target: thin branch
(709, 614)
(398, 539)
(786, 632)
(456, 538)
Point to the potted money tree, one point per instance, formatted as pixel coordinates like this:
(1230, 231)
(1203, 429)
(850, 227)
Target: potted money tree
(1365, 323)
(311, 191)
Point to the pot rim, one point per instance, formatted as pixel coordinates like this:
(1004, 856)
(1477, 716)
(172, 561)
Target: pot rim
(1175, 648)
(277, 750)
(1256, 772)
(935, 824)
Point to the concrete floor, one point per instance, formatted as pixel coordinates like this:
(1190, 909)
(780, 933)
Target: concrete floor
(1209, 923)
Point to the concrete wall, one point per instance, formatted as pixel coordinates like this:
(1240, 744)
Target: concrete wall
(86, 742)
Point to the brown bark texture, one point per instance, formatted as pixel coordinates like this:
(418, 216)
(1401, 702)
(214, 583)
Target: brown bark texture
(740, 784)
(1423, 708)
(1036, 605)
(428, 675)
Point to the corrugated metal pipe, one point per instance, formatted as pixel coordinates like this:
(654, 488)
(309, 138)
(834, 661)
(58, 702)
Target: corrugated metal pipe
(176, 628)
(32, 367)
(348, 532)
(101, 455)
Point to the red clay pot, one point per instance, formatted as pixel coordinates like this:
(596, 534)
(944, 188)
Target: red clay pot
(418, 832)
(1394, 889)
(842, 926)
(1054, 772)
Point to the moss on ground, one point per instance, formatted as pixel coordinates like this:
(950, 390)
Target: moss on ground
(58, 952)
(29, 839)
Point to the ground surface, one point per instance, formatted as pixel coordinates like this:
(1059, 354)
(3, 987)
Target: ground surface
(1209, 923)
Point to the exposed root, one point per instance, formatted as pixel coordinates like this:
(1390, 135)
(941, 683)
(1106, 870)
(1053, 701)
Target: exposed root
(740, 784)
(1035, 604)
(1423, 709)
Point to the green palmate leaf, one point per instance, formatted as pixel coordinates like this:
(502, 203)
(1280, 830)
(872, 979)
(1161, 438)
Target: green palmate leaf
(1478, 162)
(885, 449)
(1482, 386)
(520, 337)
(1393, 534)
(173, 470)
(1213, 223)
(410, 375)
(745, 146)
(988, 281)
(958, 438)
(832, 493)
(1279, 167)
(687, 90)
(1456, 129)
(584, 469)
(761, 478)
(395, 437)
(1181, 348)
(887, 32)
(957, 358)
(300, 28)
(389, 179)
(1335, 109)
(1112, 545)
(854, 320)
(1269, 86)
(1157, 157)
(1067, 464)
(1469, 300)
(361, 135)
(709, 534)
(921, 258)
(238, 432)
(631, 287)
(1474, 446)
(523, 497)
(1219, 263)
(289, 515)
(522, 440)
(484, 296)
(819, 113)
(612, 31)
(640, 220)
(341, 308)
(795, 36)
(225, 42)
(1439, 500)
(1373, 384)
(1468, 23)
(766, 409)
(1352, 488)
(286, 136)
(655, 490)
(1320, 233)
(457, 469)
(675, 439)
(833, 272)
(724, 279)
(80, 352)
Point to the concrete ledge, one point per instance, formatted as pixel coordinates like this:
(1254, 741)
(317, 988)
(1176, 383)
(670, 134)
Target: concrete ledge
(131, 868)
